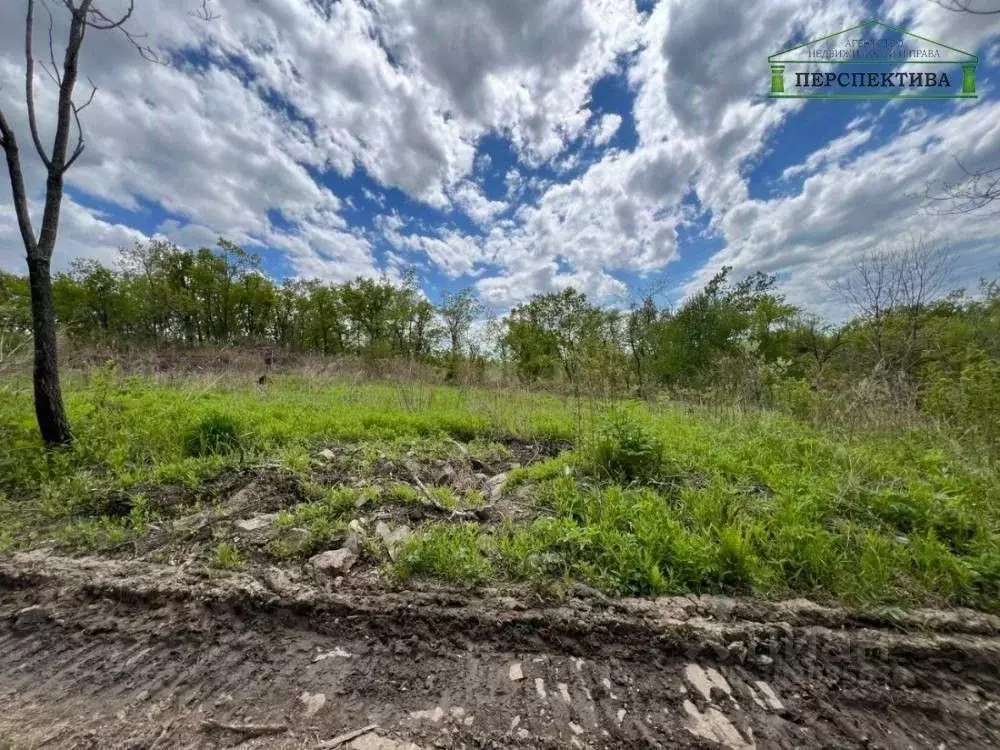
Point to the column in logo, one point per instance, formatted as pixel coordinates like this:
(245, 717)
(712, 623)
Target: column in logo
(969, 78)
(777, 79)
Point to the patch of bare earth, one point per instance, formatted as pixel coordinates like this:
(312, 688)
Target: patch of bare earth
(98, 653)
(243, 506)
(155, 648)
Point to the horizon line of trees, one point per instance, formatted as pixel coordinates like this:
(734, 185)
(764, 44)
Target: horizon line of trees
(911, 345)
(161, 294)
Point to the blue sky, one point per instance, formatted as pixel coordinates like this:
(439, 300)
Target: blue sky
(512, 146)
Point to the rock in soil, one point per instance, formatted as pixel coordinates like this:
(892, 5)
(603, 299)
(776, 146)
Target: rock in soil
(256, 523)
(334, 562)
(392, 538)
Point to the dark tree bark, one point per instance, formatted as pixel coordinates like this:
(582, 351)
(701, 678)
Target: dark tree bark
(49, 409)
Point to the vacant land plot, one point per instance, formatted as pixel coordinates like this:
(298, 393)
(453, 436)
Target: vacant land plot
(476, 487)
(272, 566)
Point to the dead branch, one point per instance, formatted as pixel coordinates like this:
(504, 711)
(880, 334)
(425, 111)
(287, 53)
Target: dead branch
(78, 149)
(29, 84)
(250, 730)
(205, 12)
(343, 739)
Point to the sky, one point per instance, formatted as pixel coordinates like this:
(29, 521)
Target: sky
(622, 147)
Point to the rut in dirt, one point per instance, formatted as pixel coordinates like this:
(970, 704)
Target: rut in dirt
(97, 653)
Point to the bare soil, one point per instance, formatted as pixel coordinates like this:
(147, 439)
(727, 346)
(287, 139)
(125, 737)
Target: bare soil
(130, 653)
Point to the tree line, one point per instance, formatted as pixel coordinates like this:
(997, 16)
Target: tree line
(159, 294)
(910, 344)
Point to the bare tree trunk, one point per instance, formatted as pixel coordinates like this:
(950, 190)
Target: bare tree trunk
(49, 409)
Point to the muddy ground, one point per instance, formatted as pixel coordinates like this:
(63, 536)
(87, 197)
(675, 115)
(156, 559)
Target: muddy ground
(99, 653)
(152, 646)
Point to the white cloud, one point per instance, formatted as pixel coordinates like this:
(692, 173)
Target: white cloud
(606, 128)
(276, 93)
(832, 153)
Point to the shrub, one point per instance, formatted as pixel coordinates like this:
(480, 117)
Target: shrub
(971, 400)
(624, 449)
(215, 435)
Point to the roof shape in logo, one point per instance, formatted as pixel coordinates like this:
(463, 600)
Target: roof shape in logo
(947, 54)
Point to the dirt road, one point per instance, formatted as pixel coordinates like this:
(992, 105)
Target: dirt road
(127, 654)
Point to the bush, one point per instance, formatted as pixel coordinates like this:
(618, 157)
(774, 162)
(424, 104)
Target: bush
(215, 435)
(972, 400)
(625, 450)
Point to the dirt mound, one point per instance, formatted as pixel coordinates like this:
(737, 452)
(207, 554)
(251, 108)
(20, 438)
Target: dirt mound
(128, 653)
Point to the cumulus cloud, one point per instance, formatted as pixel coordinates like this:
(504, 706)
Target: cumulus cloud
(285, 123)
(606, 128)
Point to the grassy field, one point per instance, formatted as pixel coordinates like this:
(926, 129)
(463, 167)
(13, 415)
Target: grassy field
(630, 499)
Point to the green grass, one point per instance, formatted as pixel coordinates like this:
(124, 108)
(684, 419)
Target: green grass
(653, 500)
(229, 557)
(752, 504)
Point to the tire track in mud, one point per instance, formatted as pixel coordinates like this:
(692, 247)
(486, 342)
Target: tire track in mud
(133, 655)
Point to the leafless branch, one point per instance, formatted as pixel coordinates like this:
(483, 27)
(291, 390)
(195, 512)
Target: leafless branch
(78, 149)
(966, 6)
(205, 12)
(973, 192)
(54, 77)
(52, 52)
(29, 76)
(96, 19)
(9, 142)
(896, 281)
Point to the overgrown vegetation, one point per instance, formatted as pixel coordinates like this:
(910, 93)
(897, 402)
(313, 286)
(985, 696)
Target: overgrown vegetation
(765, 506)
(650, 499)
(215, 435)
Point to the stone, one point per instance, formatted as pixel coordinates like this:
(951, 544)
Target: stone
(540, 688)
(770, 697)
(313, 702)
(495, 486)
(327, 454)
(564, 693)
(515, 672)
(738, 651)
(355, 536)
(296, 535)
(256, 523)
(30, 618)
(392, 538)
(337, 653)
(434, 715)
(377, 742)
(334, 562)
(715, 727)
